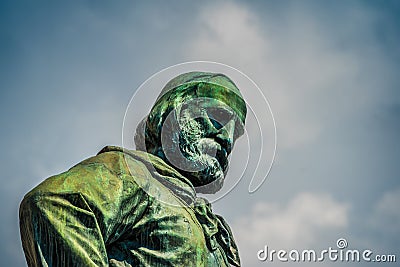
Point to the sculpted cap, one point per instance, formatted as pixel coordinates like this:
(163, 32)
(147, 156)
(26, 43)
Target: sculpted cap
(205, 84)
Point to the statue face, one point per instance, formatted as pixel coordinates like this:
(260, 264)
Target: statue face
(198, 136)
(193, 126)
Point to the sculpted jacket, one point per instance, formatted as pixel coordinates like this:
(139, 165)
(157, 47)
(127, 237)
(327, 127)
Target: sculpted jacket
(122, 208)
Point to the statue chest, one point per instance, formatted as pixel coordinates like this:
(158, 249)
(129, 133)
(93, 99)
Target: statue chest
(166, 235)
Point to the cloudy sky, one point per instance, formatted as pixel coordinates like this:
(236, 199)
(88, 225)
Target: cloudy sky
(329, 70)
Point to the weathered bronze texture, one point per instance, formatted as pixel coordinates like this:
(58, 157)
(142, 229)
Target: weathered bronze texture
(140, 208)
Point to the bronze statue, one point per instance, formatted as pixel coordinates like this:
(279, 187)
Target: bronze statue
(140, 208)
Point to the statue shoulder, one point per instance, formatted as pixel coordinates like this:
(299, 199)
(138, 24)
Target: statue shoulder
(111, 169)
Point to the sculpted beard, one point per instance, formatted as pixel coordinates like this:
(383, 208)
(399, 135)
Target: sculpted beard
(206, 155)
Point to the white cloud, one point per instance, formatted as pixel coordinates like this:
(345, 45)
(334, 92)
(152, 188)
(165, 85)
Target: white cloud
(300, 224)
(224, 28)
(297, 60)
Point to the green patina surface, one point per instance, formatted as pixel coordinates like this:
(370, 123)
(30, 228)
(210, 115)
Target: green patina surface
(132, 208)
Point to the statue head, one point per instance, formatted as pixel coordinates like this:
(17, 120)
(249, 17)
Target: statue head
(193, 126)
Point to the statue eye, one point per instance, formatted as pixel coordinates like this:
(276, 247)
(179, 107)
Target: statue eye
(216, 124)
(218, 117)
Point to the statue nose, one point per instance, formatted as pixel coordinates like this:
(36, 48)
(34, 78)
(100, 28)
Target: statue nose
(224, 136)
